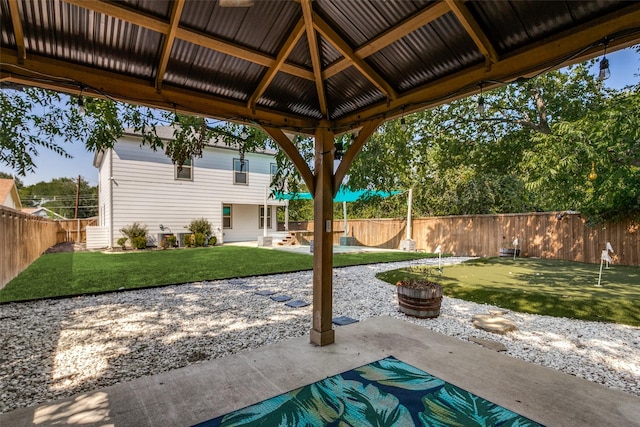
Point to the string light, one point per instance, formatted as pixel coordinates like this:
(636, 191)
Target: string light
(403, 122)
(481, 107)
(605, 73)
(593, 175)
(81, 109)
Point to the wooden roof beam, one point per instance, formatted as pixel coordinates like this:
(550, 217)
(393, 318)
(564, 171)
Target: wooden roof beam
(190, 36)
(138, 91)
(314, 52)
(392, 35)
(176, 12)
(472, 27)
(365, 133)
(18, 32)
(286, 49)
(343, 47)
(294, 155)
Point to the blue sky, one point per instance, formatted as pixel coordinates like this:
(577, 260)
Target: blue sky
(624, 66)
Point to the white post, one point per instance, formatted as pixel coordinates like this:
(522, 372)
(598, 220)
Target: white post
(409, 203)
(286, 215)
(344, 214)
(600, 274)
(266, 207)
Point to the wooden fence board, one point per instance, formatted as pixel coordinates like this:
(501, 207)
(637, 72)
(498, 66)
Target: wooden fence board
(540, 234)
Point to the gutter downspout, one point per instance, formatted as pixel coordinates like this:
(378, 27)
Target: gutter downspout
(111, 198)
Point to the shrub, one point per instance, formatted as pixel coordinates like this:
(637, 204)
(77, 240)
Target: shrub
(199, 239)
(168, 242)
(134, 230)
(139, 242)
(213, 240)
(188, 241)
(201, 225)
(122, 242)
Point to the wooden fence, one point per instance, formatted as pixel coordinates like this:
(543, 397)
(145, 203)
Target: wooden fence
(74, 230)
(541, 235)
(23, 238)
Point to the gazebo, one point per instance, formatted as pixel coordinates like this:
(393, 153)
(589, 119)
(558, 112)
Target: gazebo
(318, 68)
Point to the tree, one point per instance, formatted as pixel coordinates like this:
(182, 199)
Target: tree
(59, 196)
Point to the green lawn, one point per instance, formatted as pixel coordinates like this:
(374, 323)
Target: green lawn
(65, 274)
(548, 287)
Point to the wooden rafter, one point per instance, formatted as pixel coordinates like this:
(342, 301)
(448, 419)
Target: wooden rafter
(283, 54)
(190, 36)
(314, 52)
(346, 51)
(367, 130)
(544, 55)
(472, 27)
(294, 155)
(18, 32)
(132, 89)
(392, 35)
(176, 12)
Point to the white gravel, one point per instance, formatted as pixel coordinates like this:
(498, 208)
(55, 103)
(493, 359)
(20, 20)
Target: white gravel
(57, 348)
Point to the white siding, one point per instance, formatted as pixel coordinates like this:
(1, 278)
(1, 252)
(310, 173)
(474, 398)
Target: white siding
(244, 221)
(97, 237)
(145, 191)
(104, 193)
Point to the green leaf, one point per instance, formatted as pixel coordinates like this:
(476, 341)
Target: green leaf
(372, 407)
(453, 406)
(392, 372)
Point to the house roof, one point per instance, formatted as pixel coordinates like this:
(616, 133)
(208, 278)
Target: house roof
(297, 63)
(8, 190)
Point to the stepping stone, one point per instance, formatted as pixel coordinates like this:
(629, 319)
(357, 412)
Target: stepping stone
(297, 303)
(245, 287)
(281, 298)
(498, 312)
(343, 320)
(266, 293)
(236, 282)
(490, 344)
(495, 324)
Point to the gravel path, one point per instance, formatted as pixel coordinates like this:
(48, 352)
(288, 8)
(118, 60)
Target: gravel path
(58, 348)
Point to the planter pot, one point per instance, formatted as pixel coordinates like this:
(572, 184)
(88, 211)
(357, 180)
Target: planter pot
(420, 299)
(509, 252)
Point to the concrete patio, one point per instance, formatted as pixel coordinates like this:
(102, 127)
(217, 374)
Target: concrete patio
(202, 391)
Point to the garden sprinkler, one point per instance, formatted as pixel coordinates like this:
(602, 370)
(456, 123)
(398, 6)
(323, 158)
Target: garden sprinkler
(515, 248)
(439, 252)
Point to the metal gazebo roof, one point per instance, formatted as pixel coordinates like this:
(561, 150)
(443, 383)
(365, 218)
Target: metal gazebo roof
(317, 67)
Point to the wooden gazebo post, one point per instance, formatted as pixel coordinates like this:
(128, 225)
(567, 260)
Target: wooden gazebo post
(321, 330)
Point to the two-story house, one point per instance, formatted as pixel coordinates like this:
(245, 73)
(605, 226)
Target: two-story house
(137, 184)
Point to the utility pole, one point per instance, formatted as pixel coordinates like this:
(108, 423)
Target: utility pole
(77, 197)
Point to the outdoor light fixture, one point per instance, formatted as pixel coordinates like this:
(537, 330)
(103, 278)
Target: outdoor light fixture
(605, 73)
(339, 151)
(243, 134)
(81, 108)
(481, 107)
(593, 175)
(403, 122)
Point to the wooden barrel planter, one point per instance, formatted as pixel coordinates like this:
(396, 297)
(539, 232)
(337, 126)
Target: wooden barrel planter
(419, 298)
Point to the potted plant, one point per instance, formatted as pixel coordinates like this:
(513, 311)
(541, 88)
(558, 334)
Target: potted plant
(420, 298)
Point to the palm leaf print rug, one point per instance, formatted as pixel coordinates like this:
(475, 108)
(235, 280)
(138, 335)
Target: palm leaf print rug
(383, 393)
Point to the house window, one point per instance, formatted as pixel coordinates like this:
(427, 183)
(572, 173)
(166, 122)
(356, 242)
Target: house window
(273, 170)
(226, 216)
(240, 172)
(185, 172)
(261, 217)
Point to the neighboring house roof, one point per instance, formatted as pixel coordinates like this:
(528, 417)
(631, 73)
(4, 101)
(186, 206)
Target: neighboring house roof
(9, 196)
(43, 212)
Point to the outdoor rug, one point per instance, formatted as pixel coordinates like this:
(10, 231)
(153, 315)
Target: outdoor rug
(383, 393)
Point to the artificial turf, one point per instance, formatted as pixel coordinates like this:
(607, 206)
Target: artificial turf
(78, 273)
(539, 286)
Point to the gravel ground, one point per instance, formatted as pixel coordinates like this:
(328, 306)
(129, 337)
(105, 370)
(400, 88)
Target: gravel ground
(58, 348)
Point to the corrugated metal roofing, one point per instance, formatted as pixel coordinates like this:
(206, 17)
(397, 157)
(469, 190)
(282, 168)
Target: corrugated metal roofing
(127, 38)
